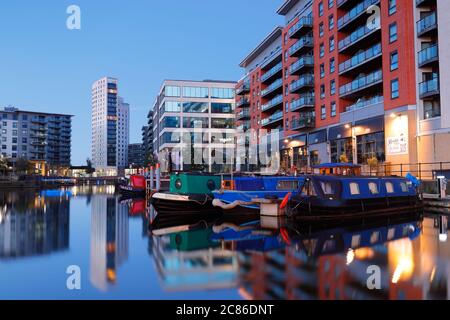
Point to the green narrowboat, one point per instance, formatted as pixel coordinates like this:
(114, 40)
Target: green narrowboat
(189, 193)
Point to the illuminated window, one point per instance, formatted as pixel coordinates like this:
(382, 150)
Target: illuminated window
(404, 187)
(373, 187)
(389, 187)
(354, 188)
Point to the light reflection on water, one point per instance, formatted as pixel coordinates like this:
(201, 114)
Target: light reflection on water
(42, 233)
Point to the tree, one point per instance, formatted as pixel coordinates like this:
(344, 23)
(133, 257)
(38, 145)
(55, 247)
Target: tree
(150, 160)
(23, 166)
(89, 168)
(3, 165)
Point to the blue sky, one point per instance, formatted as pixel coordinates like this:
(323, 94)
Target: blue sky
(46, 67)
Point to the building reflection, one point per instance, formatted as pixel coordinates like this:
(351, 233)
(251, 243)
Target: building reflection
(189, 261)
(109, 239)
(33, 224)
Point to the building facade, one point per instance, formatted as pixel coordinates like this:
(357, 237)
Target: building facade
(185, 111)
(344, 83)
(147, 138)
(136, 155)
(36, 136)
(110, 127)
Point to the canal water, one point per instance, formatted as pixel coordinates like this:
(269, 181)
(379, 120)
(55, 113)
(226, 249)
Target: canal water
(43, 234)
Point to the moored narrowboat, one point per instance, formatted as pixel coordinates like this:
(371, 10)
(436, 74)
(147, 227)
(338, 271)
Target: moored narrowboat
(136, 187)
(346, 196)
(189, 193)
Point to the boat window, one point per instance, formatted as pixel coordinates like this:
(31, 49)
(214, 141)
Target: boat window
(287, 185)
(391, 234)
(327, 188)
(354, 188)
(356, 241)
(389, 187)
(308, 189)
(375, 237)
(373, 187)
(404, 187)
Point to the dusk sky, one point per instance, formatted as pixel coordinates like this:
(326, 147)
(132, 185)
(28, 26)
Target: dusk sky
(46, 67)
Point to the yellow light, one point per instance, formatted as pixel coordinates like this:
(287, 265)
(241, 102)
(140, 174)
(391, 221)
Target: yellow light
(393, 115)
(350, 256)
(347, 126)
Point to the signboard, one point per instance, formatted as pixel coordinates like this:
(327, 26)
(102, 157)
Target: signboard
(397, 145)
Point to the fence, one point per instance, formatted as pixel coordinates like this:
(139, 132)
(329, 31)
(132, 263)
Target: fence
(423, 171)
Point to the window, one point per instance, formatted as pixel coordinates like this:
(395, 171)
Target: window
(369, 146)
(195, 122)
(332, 87)
(330, 4)
(333, 109)
(394, 89)
(331, 44)
(222, 123)
(341, 147)
(354, 188)
(373, 188)
(389, 187)
(321, 29)
(392, 6)
(195, 92)
(431, 109)
(393, 32)
(332, 65)
(322, 91)
(322, 70)
(172, 106)
(195, 107)
(170, 122)
(172, 91)
(327, 188)
(375, 237)
(404, 187)
(222, 107)
(323, 113)
(287, 185)
(222, 93)
(322, 50)
(394, 60)
(320, 9)
(331, 22)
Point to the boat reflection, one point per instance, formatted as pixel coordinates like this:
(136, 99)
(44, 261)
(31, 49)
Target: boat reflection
(32, 224)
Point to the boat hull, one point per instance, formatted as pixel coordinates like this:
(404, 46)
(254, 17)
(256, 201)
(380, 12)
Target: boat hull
(178, 204)
(129, 192)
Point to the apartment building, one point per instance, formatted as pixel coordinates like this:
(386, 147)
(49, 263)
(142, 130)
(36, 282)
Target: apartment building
(194, 115)
(36, 136)
(136, 155)
(147, 137)
(347, 80)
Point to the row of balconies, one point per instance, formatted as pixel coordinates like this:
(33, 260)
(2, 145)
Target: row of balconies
(364, 83)
(272, 104)
(306, 81)
(275, 72)
(274, 119)
(272, 88)
(304, 101)
(303, 44)
(302, 63)
(304, 24)
(355, 14)
(360, 59)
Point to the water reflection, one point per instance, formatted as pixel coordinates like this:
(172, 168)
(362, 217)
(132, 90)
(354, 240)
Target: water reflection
(33, 224)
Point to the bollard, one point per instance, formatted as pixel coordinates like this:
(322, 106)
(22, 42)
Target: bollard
(152, 178)
(158, 177)
(442, 186)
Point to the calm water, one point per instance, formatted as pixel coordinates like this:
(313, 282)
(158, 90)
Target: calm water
(42, 233)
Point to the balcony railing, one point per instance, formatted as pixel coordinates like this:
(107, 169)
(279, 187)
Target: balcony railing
(242, 102)
(272, 119)
(244, 126)
(275, 85)
(429, 88)
(307, 121)
(244, 88)
(244, 114)
(428, 55)
(354, 37)
(304, 42)
(360, 58)
(340, 3)
(305, 101)
(269, 74)
(304, 23)
(276, 54)
(361, 83)
(421, 3)
(304, 61)
(305, 81)
(278, 100)
(427, 24)
(355, 12)
(365, 103)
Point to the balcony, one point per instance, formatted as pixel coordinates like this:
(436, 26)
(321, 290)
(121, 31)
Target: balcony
(242, 102)
(362, 59)
(273, 89)
(427, 26)
(356, 14)
(357, 37)
(244, 126)
(243, 115)
(359, 86)
(428, 56)
(273, 59)
(304, 62)
(243, 89)
(425, 3)
(272, 74)
(306, 81)
(307, 121)
(306, 101)
(275, 103)
(273, 121)
(429, 88)
(304, 25)
(301, 46)
(343, 4)
(364, 103)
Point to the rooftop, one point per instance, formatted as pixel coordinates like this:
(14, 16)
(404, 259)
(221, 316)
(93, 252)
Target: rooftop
(276, 33)
(12, 109)
(286, 7)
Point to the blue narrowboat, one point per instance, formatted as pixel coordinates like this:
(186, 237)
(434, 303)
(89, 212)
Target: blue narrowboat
(237, 194)
(323, 196)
